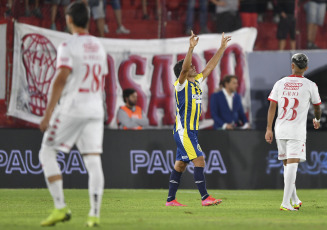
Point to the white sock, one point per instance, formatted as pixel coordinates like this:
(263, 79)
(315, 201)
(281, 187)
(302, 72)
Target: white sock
(57, 193)
(48, 159)
(289, 180)
(96, 183)
(295, 199)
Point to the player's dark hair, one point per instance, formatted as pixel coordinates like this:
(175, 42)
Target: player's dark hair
(300, 60)
(79, 13)
(227, 79)
(127, 93)
(178, 68)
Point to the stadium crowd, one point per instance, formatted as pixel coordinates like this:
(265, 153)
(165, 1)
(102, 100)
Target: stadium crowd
(302, 21)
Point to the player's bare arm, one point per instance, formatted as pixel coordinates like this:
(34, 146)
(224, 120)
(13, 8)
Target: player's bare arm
(188, 58)
(316, 120)
(57, 89)
(215, 59)
(270, 118)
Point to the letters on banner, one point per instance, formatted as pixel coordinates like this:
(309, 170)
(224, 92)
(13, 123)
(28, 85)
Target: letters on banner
(145, 65)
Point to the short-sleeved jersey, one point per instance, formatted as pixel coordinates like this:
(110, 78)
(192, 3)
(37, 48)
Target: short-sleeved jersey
(293, 94)
(82, 95)
(188, 104)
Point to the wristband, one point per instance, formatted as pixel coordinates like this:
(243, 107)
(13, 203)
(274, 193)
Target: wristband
(317, 120)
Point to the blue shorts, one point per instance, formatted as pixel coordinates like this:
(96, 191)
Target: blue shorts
(115, 4)
(188, 147)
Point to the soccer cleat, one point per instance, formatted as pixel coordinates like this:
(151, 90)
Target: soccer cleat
(174, 203)
(92, 221)
(210, 201)
(282, 208)
(297, 206)
(57, 215)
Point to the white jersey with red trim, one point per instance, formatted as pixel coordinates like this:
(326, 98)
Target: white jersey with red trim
(82, 96)
(293, 94)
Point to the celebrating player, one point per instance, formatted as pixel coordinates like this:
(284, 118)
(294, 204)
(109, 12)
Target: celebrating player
(188, 96)
(79, 117)
(292, 95)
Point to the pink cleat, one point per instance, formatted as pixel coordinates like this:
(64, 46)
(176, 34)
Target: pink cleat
(174, 203)
(210, 201)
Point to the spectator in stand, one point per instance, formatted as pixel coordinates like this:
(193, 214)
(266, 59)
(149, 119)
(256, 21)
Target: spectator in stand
(287, 23)
(118, 16)
(226, 106)
(316, 10)
(261, 9)
(8, 10)
(248, 13)
(203, 15)
(54, 9)
(227, 11)
(145, 10)
(98, 14)
(36, 11)
(130, 116)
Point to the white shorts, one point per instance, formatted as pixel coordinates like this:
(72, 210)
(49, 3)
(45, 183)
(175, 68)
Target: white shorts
(291, 149)
(65, 131)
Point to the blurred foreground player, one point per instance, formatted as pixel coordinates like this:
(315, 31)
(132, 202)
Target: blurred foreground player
(292, 95)
(79, 117)
(188, 96)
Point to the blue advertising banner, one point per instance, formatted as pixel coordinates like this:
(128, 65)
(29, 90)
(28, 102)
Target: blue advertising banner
(144, 159)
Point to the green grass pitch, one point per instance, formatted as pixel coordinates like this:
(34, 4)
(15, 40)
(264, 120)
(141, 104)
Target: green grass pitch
(145, 209)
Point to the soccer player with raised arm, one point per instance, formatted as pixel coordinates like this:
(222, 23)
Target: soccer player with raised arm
(79, 117)
(188, 95)
(292, 96)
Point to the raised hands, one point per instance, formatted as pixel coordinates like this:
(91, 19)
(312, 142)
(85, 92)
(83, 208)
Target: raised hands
(225, 40)
(193, 40)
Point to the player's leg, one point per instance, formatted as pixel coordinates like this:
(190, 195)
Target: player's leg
(295, 151)
(179, 168)
(296, 202)
(200, 182)
(96, 184)
(195, 154)
(289, 180)
(60, 136)
(174, 181)
(53, 178)
(90, 145)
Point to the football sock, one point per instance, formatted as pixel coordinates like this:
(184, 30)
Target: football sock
(289, 180)
(174, 180)
(57, 193)
(200, 182)
(295, 199)
(96, 183)
(48, 159)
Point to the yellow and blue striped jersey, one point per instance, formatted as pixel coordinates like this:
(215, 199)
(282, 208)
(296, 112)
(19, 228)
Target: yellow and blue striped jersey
(188, 104)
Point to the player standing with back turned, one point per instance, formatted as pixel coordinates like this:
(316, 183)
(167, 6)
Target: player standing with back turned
(79, 117)
(188, 97)
(292, 95)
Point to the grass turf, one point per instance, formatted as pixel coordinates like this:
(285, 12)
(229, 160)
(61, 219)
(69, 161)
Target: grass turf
(144, 209)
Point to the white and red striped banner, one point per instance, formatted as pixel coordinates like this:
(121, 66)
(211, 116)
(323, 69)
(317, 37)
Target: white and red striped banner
(146, 65)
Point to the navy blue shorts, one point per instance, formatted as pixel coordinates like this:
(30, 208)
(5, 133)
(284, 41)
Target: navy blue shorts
(188, 147)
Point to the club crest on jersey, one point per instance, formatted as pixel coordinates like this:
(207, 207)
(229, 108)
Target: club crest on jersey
(199, 148)
(292, 86)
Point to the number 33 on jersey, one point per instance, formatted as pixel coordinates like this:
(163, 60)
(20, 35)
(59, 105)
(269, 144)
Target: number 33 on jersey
(293, 94)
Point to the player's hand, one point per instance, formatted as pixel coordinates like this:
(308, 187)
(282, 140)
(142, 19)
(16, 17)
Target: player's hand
(44, 123)
(193, 40)
(225, 40)
(229, 126)
(316, 125)
(269, 136)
